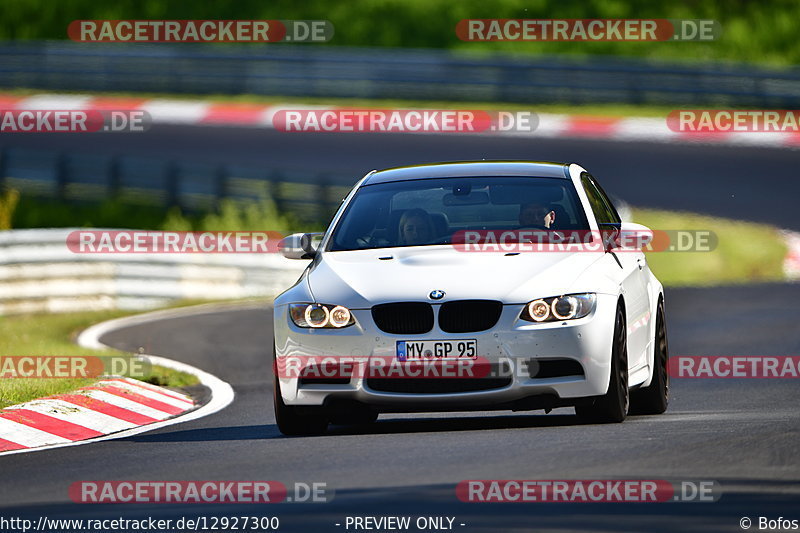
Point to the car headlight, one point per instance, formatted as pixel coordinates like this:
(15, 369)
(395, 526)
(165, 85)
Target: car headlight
(321, 316)
(556, 308)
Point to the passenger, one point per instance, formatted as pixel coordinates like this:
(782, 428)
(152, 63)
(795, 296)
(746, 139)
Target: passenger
(416, 227)
(536, 214)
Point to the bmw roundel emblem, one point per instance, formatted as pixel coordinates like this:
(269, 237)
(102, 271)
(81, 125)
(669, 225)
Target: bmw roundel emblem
(436, 295)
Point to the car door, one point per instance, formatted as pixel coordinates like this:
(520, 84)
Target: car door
(632, 276)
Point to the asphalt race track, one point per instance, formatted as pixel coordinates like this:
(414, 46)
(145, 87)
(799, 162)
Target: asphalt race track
(742, 434)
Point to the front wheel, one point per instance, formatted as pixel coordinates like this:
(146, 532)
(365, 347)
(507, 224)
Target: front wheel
(293, 420)
(613, 405)
(653, 399)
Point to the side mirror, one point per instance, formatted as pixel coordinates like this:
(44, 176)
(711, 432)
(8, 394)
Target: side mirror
(609, 234)
(627, 235)
(634, 236)
(300, 245)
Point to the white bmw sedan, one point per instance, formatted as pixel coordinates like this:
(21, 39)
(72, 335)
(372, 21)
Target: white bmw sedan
(502, 285)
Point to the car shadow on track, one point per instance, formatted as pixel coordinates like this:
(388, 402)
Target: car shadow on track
(388, 426)
(461, 423)
(382, 427)
(222, 433)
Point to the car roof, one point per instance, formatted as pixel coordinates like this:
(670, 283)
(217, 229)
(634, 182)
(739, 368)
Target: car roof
(464, 169)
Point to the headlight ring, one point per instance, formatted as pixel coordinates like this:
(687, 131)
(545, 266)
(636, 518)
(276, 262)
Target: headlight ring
(557, 308)
(318, 316)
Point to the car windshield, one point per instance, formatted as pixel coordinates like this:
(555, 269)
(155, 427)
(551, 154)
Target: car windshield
(429, 211)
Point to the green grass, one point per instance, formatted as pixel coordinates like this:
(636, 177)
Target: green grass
(747, 252)
(54, 334)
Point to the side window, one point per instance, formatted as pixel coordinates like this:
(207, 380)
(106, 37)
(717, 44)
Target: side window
(602, 208)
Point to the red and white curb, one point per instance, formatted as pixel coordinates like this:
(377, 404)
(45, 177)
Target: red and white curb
(207, 113)
(108, 406)
(112, 408)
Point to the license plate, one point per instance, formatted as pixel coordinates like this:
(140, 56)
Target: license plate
(437, 350)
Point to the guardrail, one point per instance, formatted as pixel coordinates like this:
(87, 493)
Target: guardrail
(38, 273)
(311, 197)
(330, 71)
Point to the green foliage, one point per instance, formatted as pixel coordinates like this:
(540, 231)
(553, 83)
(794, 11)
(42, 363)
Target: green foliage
(176, 221)
(9, 199)
(762, 32)
(232, 215)
(36, 212)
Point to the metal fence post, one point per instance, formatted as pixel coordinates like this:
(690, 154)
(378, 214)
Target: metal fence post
(62, 175)
(3, 168)
(323, 200)
(275, 192)
(220, 184)
(172, 177)
(113, 181)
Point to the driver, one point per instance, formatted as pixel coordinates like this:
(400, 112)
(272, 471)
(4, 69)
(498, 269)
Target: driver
(536, 214)
(416, 227)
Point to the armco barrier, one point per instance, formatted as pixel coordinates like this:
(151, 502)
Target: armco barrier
(310, 196)
(38, 273)
(418, 74)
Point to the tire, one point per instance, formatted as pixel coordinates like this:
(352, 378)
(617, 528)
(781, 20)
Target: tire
(613, 405)
(292, 420)
(654, 399)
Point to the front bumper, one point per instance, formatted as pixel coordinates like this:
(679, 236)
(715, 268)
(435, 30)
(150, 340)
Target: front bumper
(513, 343)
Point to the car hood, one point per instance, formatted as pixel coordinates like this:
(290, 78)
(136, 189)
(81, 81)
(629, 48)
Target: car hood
(362, 278)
